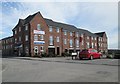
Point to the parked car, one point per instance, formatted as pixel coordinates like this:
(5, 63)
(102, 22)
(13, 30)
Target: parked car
(90, 54)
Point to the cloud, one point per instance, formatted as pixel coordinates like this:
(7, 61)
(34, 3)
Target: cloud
(95, 16)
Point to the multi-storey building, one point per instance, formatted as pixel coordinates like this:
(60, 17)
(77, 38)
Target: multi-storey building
(35, 35)
(102, 42)
(7, 46)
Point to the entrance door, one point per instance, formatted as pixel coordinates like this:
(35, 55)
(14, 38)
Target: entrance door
(58, 50)
(51, 51)
(36, 50)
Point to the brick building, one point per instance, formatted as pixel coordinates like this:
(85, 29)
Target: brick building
(35, 35)
(7, 46)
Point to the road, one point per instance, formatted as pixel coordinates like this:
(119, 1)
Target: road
(20, 70)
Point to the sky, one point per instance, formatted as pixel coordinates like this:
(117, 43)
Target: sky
(93, 16)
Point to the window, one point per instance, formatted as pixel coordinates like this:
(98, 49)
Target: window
(87, 37)
(70, 33)
(71, 42)
(57, 30)
(99, 39)
(77, 34)
(19, 38)
(41, 37)
(15, 31)
(57, 39)
(92, 45)
(15, 40)
(95, 44)
(41, 48)
(26, 27)
(82, 35)
(77, 43)
(35, 37)
(50, 28)
(65, 41)
(51, 40)
(38, 27)
(65, 32)
(19, 29)
(88, 45)
(95, 38)
(92, 38)
(26, 37)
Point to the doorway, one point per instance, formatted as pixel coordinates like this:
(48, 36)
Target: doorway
(51, 51)
(58, 50)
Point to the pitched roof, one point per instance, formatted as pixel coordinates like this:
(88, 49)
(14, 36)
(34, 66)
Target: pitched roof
(7, 38)
(26, 20)
(100, 34)
(87, 32)
(29, 18)
(67, 27)
(62, 25)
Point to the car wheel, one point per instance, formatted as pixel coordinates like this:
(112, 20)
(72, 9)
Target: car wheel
(91, 57)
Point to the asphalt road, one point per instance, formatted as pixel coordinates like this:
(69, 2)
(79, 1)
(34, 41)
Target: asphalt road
(20, 70)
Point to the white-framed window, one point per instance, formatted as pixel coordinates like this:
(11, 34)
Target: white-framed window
(19, 29)
(88, 45)
(35, 37)
(92, 38)
(77, 34)
(57, 39)
(71, 43)
(70, 33)
(26, 37)
(82, 35)
(19, 38)
(95, 38)
(65, 41)
(57, 29)
(95, 44)
(26, 27)
(92, 45)
(87, 37)
(51, 40)
(41, 37)
(77, 43)
(38, 27)
(65, 32)
(100, 39)
(35, 49)
(15, 31)
(50, 29)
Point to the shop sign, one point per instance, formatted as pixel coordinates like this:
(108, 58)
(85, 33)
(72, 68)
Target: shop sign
(39, 32)
(39, 42)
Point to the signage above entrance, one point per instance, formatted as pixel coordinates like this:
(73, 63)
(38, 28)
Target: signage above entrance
(39, 32)
(39, 42)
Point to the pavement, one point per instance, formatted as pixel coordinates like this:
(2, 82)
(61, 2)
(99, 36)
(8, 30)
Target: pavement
(109, 62)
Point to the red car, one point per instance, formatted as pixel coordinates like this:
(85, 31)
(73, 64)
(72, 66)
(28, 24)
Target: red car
(89, 53)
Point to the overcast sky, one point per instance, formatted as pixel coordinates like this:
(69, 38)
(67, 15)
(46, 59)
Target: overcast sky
(93, 16)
